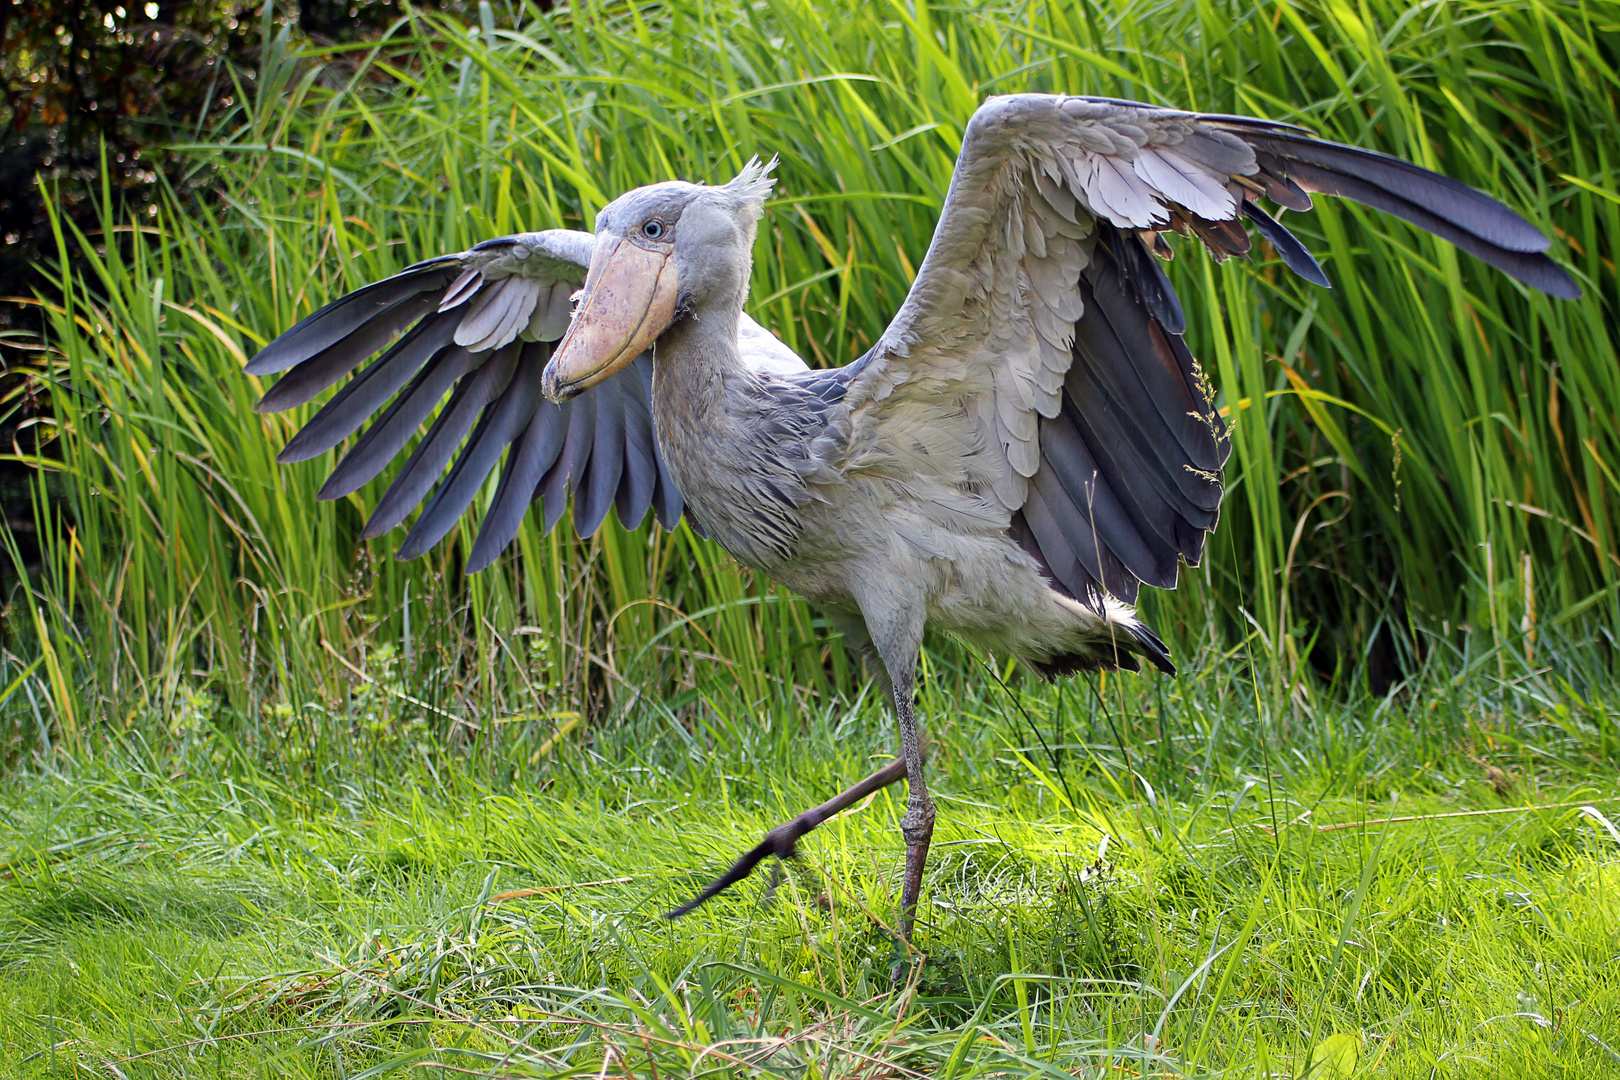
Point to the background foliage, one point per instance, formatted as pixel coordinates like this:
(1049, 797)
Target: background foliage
(133, 76)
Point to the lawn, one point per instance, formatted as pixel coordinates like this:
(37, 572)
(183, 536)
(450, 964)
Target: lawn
(1426, 885)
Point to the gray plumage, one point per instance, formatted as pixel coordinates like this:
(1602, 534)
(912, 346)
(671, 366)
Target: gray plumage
(1027, 443)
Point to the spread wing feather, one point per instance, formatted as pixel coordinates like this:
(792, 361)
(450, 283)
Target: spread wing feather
(595, 496)
(1042, 335)
(385, 438)
(478, 327)
(1295, 255)
(569, 468)
(367, 391)
(502, 421)
(324, 368)
(371, 306)
(1464, 230)
(640, 479)
(533, 455)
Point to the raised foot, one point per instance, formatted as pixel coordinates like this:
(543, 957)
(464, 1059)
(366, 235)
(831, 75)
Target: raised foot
(783, 840)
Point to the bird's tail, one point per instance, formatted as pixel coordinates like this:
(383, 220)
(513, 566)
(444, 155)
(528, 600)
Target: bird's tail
(1105, 644)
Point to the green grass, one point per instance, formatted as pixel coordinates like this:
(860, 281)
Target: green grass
(226, 912)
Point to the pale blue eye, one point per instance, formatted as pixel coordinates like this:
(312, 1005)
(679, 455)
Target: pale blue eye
(653, 229)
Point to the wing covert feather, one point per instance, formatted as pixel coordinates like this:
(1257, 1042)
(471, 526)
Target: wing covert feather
(480, 327)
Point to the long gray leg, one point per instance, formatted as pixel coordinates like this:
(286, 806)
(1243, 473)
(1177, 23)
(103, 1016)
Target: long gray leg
(894, 619)
(782, 840)
(918, 824)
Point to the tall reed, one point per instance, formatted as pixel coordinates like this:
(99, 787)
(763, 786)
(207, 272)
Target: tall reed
(1426, 443)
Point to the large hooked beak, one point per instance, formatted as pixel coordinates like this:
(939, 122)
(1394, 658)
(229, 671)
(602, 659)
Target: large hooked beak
(629, 299)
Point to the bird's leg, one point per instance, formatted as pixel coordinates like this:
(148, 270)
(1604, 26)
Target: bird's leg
(782, 840)
(891, 624)
(918, 824)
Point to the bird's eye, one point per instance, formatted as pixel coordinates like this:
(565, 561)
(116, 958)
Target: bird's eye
(653, 229)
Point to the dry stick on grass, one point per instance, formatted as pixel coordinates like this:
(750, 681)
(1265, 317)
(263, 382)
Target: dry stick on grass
(518, 894)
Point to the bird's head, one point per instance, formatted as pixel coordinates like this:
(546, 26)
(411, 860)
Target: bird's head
(662, 252)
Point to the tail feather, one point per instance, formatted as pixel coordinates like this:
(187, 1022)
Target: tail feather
(1152, 646)
(1112, 642)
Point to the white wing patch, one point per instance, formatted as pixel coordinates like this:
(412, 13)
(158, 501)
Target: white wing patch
(1182, 180)
(521, 288)
(497, 313)
(1113, 190)
(550, 319)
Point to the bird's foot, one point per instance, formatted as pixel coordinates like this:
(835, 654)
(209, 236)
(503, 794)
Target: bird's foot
(918, 829)
(781, 841)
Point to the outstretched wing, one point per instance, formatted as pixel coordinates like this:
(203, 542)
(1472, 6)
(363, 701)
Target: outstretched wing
(1037, 364)
(478, 327)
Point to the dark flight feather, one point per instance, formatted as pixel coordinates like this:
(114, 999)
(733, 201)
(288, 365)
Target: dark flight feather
(570, 464)
(1295, 255)
(667, 501)
(1052, 547)
(433, 453)
(1144, 271)
(504, 419)
(385, 438)
(531, 456)
(365, 393)
(640, 480)
(321, 370)
(593, 495)
(1151, 557)
(1139, 404)
(1460, 224)
(373, 305)
(1447, 199)
(1083, 533)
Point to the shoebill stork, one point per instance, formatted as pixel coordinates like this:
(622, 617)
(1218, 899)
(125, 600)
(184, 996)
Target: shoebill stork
(1027, 444)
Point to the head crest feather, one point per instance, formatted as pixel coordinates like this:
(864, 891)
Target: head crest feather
(753, 185)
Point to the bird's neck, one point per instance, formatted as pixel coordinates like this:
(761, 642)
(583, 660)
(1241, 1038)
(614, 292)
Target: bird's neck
(738, 484)
(695, 363)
